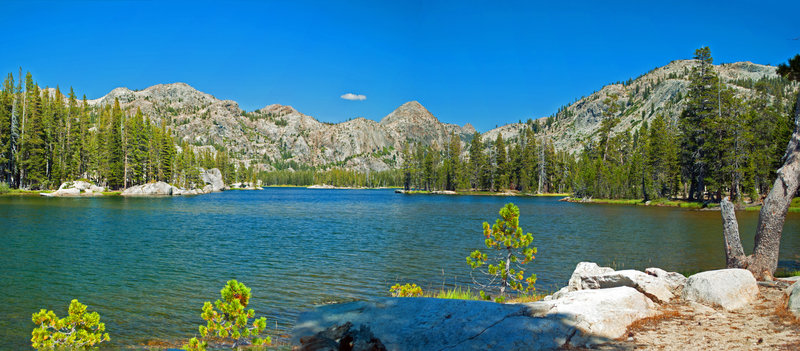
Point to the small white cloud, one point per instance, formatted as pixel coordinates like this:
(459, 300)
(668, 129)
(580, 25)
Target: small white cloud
(354, 97)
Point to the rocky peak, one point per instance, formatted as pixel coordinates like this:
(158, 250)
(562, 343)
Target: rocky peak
(278, 109)
(411, 112)
(174, 94)
(468, 129)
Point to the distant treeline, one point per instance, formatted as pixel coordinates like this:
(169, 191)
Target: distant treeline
(335, 177)
(530, 164)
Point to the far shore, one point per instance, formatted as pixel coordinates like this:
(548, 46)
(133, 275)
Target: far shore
(478, 193)
(326, 186)
(37, 193)
(711, 206)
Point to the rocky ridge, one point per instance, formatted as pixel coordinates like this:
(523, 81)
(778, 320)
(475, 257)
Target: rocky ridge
(279, 134)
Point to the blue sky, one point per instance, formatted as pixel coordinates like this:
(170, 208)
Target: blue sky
(483, 62)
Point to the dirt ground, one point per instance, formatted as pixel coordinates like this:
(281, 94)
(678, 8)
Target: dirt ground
(764, 325)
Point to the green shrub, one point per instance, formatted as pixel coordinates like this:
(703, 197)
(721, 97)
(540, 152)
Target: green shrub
(229, 321)
(4, 188)
(511, 253)
(407, 290)
(78, 331)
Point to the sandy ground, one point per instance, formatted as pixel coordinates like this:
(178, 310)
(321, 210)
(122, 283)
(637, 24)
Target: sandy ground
(764, 325)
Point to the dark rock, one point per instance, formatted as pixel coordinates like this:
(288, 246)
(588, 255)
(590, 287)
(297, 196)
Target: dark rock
(342, 338)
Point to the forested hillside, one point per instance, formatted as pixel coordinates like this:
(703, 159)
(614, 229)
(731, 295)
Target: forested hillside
(689, 130)
(47, 138)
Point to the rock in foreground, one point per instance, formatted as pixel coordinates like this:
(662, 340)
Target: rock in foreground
(599, 314)
(729, 289)
(435, 324)
(581, 318)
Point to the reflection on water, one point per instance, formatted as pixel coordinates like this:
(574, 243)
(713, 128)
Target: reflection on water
(147, 265)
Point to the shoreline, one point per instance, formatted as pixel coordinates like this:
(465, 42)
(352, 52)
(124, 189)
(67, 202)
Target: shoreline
(698, 206)
(325, 186)
(477, 193)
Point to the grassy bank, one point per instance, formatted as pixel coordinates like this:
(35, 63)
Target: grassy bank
(485, 193)
(793, 207)
(22, 192)
(639, 202)
(458, 293)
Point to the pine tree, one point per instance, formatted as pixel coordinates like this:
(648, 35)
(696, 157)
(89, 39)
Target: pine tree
(407, 166)
(6, 112)
(166, 155)
(71, 152)
(33, 153)
(477, 163)
(114, 151)
(662, 157)
(701, 107)
(500, 161)
(453, 163)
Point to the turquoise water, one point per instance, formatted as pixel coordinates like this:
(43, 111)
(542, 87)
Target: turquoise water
(148, 264)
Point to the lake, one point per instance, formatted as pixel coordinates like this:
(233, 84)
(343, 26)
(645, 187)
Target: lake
(148, 264)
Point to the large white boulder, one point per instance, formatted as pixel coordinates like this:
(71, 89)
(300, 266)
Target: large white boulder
(729, 289)
(582, 270)
(794, 299)
(213, 179)
(76, 188)
(653, 287)
(589, 275)
(598, 314)
(151, 189)
(674, 281)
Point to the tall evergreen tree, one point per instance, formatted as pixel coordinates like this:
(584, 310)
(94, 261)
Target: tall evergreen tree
(500, 163)
(6, 112)
(114, 151)
(701, 107)
(477, 163)
(33, 153)
(662, 157)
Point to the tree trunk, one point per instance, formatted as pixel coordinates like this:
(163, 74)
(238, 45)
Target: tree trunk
(764, 260)
(734, 253)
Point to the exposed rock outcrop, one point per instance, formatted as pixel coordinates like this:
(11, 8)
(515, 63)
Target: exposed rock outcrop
(585, 313)
(598, 314)
(76, 188)
(674, 281)
(655, 288)
(588, 275)
(213, 180)
(151, 189)
(580, 318)
(729, 289)
(342, 337)
(436, 324)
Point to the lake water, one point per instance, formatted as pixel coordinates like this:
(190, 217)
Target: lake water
(148, 264)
